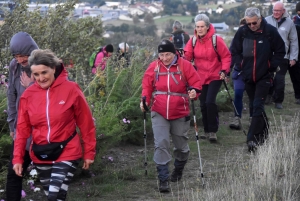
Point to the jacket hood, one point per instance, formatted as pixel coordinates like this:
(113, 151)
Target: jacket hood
(22, 43)
(211, 31)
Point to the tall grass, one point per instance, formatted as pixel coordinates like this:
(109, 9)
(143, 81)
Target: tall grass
(272, 173)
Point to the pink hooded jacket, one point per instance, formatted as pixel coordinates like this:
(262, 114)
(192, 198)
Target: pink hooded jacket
(206, 59)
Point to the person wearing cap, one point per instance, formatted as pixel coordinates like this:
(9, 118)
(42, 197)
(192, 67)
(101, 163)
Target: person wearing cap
(172, 81)
(101, 58)
(212, 66)
(280, 19)
(179, 37)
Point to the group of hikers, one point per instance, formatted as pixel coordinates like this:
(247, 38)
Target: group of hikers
(43, 120)
(261, 52)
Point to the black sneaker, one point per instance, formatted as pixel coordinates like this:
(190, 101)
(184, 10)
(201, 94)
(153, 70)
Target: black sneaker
(164, 186)
(176, 175)
(252, 146)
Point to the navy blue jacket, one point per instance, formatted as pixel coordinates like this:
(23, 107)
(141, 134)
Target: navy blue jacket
(257, 53)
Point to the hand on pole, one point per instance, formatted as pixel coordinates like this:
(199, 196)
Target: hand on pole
(192, 93)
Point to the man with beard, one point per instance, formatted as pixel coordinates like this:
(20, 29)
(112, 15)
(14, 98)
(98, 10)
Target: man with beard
(21, 46)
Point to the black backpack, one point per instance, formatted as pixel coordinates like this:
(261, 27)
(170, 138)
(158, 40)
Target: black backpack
(178, 40)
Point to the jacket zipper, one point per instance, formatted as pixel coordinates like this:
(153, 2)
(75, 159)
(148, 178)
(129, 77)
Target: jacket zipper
(168, 95)
(47, 116)
(254, 62)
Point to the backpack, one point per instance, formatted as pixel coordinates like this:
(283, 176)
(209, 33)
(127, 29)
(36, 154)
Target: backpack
(214, 43)
(93, 56)
(178, 40)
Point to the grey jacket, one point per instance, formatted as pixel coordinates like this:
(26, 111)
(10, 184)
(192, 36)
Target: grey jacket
(288, 33)
(21, 43)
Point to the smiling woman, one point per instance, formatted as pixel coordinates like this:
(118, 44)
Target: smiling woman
(52, 116)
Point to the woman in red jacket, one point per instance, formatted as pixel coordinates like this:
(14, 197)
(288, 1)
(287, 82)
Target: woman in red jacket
(51, 109)
(167, 79)
(212, 60)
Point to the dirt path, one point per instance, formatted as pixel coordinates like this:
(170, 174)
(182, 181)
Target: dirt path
(122, 174)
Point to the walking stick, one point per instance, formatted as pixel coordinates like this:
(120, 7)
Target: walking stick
(233, 105)
(197, 139)
(145, 134)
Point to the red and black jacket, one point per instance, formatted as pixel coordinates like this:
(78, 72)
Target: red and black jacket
(257, 53)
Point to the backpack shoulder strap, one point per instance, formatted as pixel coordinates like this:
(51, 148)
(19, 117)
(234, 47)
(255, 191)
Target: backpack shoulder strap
(182, 74)
(214, 43)
(194, 39)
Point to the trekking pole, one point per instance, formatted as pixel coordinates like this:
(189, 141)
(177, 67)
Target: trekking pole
(233, 106)
(197, 139)
(145, 134)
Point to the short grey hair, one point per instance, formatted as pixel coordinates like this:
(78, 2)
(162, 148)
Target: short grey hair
(252, 12)
(43, 57)
(202, 17)
(177, 25)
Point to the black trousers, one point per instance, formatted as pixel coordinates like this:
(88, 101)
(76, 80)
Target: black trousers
(277, 90)
(294, 72)
(257, 93)
(14, 182)
(209, 108)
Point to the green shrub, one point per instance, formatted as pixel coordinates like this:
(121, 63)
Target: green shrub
(114, 95)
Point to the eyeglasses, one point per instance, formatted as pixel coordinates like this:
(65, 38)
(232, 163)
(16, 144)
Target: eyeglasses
(277, 11)
(253, 23)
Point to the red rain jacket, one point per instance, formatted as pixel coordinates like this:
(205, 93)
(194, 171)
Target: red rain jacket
(52, 115)
(205, 57)
(170, 106)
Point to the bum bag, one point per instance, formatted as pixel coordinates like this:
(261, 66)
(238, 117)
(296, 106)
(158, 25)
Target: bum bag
(50, 152)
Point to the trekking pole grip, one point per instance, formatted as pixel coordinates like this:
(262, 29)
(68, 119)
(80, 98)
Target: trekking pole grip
(144, 104)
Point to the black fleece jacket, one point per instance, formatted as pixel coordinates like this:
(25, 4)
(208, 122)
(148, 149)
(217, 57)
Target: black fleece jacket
(257, 53)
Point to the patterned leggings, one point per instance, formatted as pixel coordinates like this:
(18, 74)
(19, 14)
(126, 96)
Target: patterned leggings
(55, 178)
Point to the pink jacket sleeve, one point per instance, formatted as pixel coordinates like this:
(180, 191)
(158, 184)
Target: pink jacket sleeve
(224, 53)
(148, 81)
(85, 123)
(23, 132)
(100, 61)
(189, 50)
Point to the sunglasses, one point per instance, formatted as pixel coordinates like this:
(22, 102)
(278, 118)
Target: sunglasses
(253, 23)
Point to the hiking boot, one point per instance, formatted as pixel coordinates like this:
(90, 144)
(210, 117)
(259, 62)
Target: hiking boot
(235, 124)
(298, 101)
(204, 136)
(278, 106)
(212, 137)
(252, 146)
(176, 175)
(177, 172)
(164, 186)
(268, 100)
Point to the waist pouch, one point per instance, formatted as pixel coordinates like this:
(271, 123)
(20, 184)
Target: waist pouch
(50, 152)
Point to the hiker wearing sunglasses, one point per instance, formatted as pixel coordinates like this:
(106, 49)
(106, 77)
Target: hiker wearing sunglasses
(257, 52)
(172, 81)
(280, 19)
